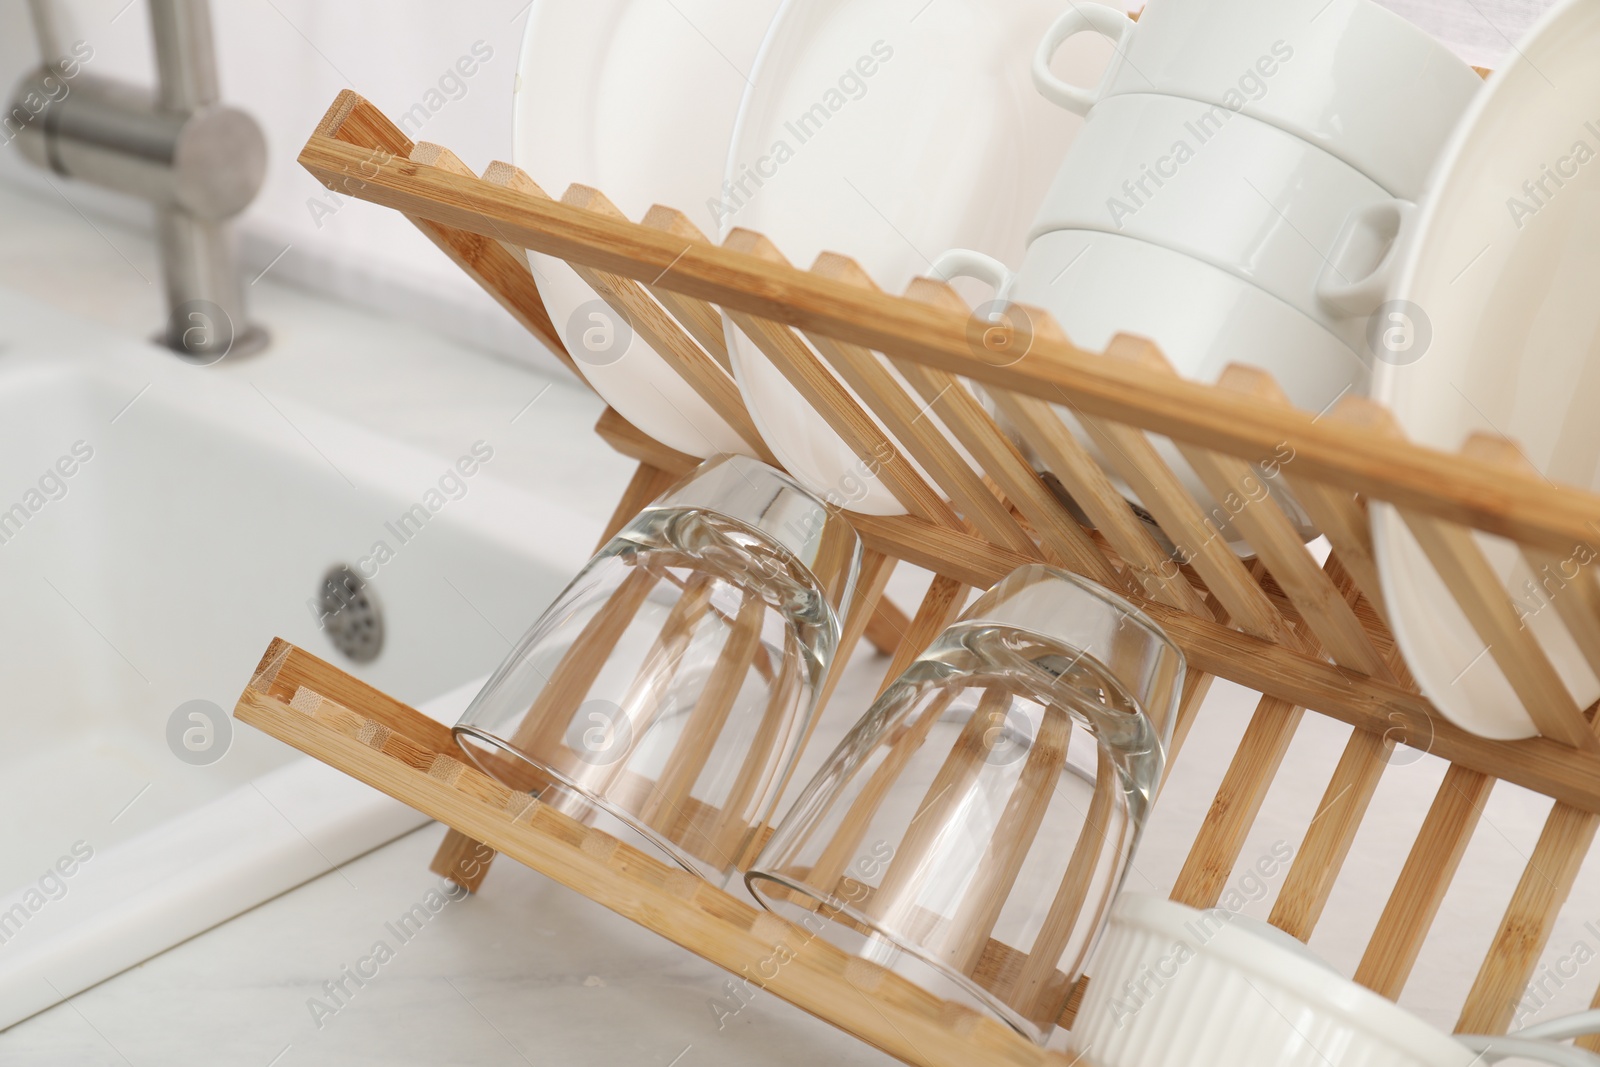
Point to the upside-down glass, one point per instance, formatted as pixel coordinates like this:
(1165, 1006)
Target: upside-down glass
(971, 830)
(665, 693)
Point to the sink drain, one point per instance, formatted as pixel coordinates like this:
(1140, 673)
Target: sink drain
(351, 616)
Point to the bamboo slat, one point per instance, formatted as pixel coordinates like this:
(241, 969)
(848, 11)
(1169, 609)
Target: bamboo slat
(940, 605)
(913, 858)
(1280, 546)
(701, 319)
(1221, 838)
(651, 322)
(1330, 834)
(907, 420)
(1132, 455)
(1063, 455)
(966, 418)
(1429, 867)
(974, 921)
(1340, 814)
(484, 258)
(828, 396)
(1472, 581)
(1528, 920)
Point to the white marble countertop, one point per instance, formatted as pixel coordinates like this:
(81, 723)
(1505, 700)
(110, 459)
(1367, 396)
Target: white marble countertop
(524, 972)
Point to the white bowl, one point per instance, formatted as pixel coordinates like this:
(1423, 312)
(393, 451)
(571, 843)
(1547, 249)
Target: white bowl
(1222, 187)
(1174, 987)
(1349, 76)
(636, 98)
(1097, 285)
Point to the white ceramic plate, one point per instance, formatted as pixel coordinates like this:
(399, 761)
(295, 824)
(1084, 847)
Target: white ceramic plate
(1508, 275)
(890, 131)
(636, 98)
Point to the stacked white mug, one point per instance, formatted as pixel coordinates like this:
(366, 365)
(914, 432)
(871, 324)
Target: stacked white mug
(1239, 186)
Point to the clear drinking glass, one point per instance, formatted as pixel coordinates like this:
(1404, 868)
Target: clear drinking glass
(971, 830)
(667, 690)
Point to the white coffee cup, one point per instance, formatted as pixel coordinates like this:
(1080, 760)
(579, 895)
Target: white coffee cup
(1229, 190)
(1349, 76)
(1096, 285)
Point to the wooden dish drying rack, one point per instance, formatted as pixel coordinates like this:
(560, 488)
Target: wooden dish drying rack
(1306, 636)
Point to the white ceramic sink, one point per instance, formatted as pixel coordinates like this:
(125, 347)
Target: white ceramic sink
(196, 523)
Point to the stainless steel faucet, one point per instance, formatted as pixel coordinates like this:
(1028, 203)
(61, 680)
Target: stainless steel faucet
(196, 160)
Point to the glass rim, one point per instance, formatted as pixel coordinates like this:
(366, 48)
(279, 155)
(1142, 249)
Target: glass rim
(1029, 572)
(1009, 606)
(824, 515)
(998, 1008)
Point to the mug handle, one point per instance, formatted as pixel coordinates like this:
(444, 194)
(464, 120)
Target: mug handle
(962, 263)
(1386, 223)
(1108, 22)
(996, 327)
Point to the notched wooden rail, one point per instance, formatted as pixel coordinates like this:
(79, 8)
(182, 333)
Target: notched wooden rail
(325, 713)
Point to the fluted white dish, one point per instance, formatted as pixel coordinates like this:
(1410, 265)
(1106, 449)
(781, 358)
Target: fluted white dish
(636, 98)
(1176, 987)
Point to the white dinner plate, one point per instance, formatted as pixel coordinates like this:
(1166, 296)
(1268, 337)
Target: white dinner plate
(636, 98)
(1504, 273)
(889, 131)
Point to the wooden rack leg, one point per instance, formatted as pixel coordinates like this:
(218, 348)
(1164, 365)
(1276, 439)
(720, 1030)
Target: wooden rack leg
(1427, 873)
(1529, 918)
(1327, 840)
(1238, 800)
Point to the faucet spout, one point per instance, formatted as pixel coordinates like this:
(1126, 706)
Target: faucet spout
(198, 161)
